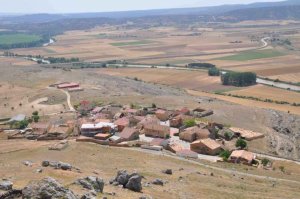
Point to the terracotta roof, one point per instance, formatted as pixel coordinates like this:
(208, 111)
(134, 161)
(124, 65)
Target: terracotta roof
(247, 134)
(127, 132)
(242, 154)
(212, 144)
(66, 85)
(156, 127)
(59, 129)
(122, 121)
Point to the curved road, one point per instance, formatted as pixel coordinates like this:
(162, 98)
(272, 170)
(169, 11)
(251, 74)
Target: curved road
(230, 171)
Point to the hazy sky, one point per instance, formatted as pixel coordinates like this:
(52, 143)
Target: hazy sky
(67, 6)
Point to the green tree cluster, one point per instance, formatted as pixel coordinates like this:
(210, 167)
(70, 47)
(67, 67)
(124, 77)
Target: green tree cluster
(239, 79)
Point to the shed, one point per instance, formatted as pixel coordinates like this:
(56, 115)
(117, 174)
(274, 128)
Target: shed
(242, 156)
(129, 134)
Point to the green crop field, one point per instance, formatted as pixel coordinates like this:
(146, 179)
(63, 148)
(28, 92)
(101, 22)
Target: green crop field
(131, 43)
(251, 55)
(17, 38)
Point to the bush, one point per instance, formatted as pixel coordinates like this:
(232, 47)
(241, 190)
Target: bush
(35, 113)
(201, 65)
(22, 124)
(225, 155)
(214, 72)
(265, 161)
(189, 123)
(227, 135)
(153, 105)
(36, 118)
(239, 79)
(241, 143)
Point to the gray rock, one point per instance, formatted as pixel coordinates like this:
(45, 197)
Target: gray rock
(134, 183)
(65, 166)
(39, 171)
(6, 185)
(168, 171)
(158, 182)
(27, 163)
(122, 177)
(92, 183)
(45, 163)
(47, 188)
(89, 195)
(145, 197)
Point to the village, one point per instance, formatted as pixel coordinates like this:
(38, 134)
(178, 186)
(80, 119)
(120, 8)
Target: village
(183, 132)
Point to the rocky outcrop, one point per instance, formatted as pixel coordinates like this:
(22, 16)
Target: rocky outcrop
(91, 183)
(285, 137)
(47, 188)
(130, 181)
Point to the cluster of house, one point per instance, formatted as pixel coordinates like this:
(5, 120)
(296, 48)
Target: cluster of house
(157, 129)
(45, 131)
(149, 128)
(69, 86)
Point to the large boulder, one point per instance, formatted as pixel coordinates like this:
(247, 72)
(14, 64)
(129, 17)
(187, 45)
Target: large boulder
(130, 181)
(47, 188)
(91, 183)
(135, 183)
(122, 177)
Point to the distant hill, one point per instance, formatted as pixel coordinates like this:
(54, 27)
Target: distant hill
(213, 10)
(265, 13)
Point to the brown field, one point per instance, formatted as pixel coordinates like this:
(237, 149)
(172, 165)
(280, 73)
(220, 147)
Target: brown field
(197, 82)
(107, 161)
(267, 92)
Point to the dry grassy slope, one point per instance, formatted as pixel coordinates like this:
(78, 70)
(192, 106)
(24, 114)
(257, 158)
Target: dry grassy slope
(106, 161)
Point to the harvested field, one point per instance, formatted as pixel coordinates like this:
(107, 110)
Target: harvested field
(197, 80)
(267, 92)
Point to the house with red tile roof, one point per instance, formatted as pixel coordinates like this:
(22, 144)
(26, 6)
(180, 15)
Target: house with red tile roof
(121, 123)
(206, 146)
(242, 156)
(156, 130)
(129, 134)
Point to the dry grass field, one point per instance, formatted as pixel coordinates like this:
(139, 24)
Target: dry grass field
(196, 181)
(267, 92)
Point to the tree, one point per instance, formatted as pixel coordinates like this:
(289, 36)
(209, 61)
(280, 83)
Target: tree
(227, 135)
(238, 79)
(265, 161)
(35, 113)
(189, 123)
(214, 72)
(241, 143)
(225, 155)
(22, 124)
(153, 105)
(36, 118)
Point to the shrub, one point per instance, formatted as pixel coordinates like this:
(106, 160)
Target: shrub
(214, 72)
(225, 155)
(241, 143)
(265, 161)
(282, 169)
(153, 105)
(189, 123)
(227, 135)
(201, 65)
(36, 118)
(35, 113)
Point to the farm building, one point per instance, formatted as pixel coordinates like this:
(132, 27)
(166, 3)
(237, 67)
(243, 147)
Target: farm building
(122, 123)
(68, 85)
(57, 132)
(246, 134)
(242, 156)
(40, 127)
(76, 89)
(90, 130)
(206, 146)
(194, 133)
(148, 120)
(129, 134)
(156, 130)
